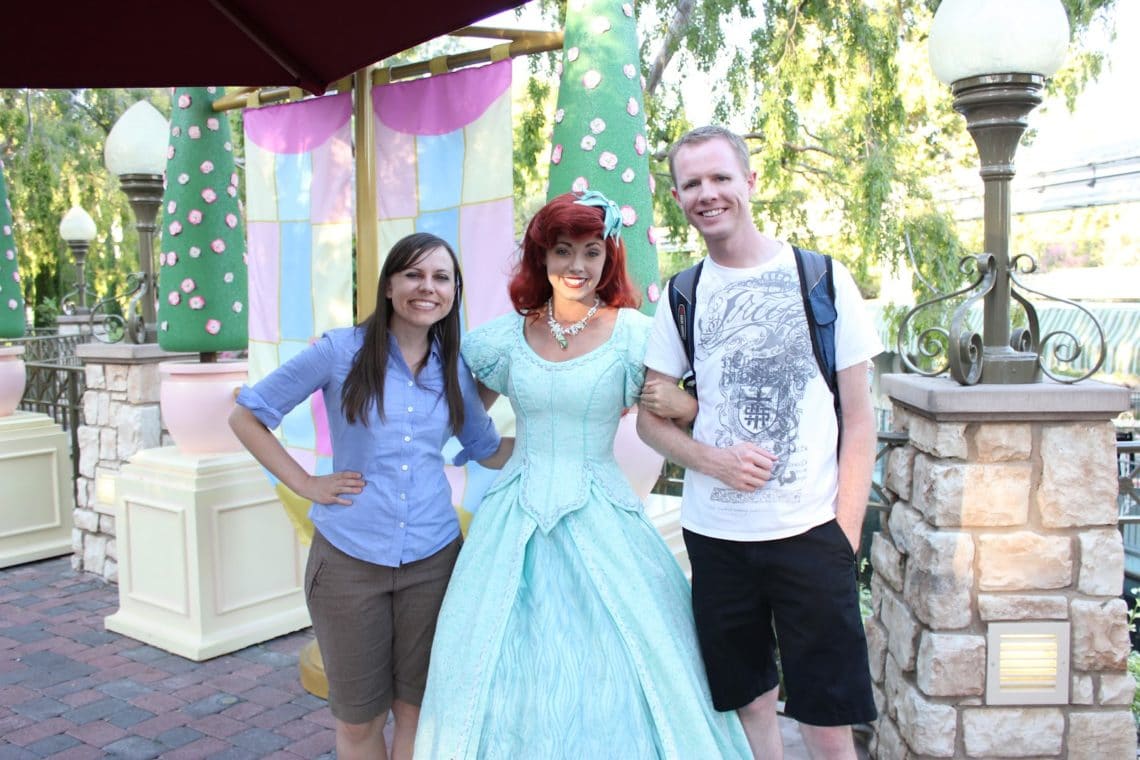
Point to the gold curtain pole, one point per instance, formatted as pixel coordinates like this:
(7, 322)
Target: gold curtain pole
(522, 42)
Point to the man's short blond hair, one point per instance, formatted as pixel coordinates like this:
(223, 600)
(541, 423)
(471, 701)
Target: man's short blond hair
(703, 135)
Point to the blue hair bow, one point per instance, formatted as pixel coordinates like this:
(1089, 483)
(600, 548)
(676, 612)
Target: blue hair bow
(611, 223)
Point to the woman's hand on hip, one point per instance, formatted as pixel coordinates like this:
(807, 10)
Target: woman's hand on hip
(332, 488)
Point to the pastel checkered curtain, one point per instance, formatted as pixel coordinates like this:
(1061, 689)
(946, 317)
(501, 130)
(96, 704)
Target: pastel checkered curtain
(299, 207)
(443, 165)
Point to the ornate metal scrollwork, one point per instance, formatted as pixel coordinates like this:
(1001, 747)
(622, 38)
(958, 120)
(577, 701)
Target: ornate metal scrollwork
(111, 326)
(964, 347)
(1068, 347)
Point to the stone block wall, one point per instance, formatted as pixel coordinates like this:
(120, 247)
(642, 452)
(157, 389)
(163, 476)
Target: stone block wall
(998, 520)
(121, 416)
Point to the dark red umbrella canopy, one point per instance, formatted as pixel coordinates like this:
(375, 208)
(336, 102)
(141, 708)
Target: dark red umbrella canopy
(160, 43)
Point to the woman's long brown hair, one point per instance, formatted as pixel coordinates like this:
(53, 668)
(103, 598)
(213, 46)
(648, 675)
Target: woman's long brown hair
(364, 384)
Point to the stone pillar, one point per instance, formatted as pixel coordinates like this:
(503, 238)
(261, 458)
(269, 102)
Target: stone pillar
(120, 417)
(1004, 511)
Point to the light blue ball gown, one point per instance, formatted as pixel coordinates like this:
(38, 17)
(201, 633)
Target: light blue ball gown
(567, 630)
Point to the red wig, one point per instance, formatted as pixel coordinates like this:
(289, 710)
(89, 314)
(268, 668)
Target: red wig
(562, 217)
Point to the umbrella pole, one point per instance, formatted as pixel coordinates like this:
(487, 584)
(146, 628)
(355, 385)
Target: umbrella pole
(367, 232)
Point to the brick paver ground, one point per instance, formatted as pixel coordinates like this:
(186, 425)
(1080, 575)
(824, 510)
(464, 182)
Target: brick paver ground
(71, 690)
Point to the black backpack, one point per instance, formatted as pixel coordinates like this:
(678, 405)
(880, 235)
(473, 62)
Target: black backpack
(817, 287)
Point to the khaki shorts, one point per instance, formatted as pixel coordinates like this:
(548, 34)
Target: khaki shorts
(374, 626)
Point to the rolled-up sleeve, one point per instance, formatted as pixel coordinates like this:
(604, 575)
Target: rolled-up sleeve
(277, 393)
(479, 437)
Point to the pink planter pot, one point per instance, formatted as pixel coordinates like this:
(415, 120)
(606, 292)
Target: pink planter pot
(13, 378)
(196, 400)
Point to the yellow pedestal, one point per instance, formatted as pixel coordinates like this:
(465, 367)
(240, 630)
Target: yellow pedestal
(208, 561)
(36, 499)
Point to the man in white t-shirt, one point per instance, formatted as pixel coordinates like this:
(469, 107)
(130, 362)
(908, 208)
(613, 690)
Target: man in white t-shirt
(774, 492)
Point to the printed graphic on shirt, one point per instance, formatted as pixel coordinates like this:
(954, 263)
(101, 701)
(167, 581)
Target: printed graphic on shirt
(756, 327)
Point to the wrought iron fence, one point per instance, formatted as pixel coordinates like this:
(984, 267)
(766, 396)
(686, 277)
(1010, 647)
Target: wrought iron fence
(56, 381)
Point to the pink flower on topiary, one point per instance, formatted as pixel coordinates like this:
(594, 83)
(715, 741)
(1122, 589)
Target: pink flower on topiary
(212, 124)
(209, 195)
(183, 178)
(628, 216)
(580, 185)
(627, 9)
(639, 144)
(231, 221)
(171, 207)
(572, 54)
(174, 298)
(232, 191)
(228, 277)
(175, 131)
(12, 304)
(631, 107)
(229, 146)
(187, 285)
(195, 251)
(653, 292)
(196, 303)
(164, 325)
(184, 101)
(169, 152)
(600, 25)
(234, 179)
(597, 126)
(207, 166)
(194, 131)
(175, 227)
(588, 142)
(592, 79)
(607, 161)
(556, 154)
(211, 89)
(16, 276)
(627, 175)
(559, 115)
(237, 307)
(213, 326)
(652, 235)
(171, 259)
(194, 217)
(10, 255)
(218, 246)
(7, 230)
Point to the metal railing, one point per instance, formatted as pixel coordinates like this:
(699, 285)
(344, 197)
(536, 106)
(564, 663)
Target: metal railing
(56, 381)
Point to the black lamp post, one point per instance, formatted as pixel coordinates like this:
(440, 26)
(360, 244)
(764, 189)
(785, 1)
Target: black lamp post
(77, 229)
(996, 56)
(135, 152)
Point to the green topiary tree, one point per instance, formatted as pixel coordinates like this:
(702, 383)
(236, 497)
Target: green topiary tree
(202, 282)
(599, 138)
(11, 291)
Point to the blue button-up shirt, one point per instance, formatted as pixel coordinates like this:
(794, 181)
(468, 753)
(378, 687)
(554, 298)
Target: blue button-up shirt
(404, 512)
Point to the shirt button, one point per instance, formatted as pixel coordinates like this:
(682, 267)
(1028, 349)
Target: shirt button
(401, 525)
(403, 467)
(410, 384)
(411, 409)
(407, 438)
(403, 497)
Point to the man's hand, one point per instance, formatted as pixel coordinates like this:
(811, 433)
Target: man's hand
(743, 466)
(329, 489)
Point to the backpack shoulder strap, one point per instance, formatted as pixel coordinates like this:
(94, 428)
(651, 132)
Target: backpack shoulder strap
(682, 290)
(817, 288)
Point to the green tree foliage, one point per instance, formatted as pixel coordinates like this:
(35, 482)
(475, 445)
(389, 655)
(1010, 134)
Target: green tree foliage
(846, 122)
(52, 144)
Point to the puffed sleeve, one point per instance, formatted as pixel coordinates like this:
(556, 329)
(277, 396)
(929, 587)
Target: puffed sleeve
(639, 327)
(487, 350)
(277, 393)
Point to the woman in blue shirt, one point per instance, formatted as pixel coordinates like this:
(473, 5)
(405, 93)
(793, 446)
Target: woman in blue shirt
(386, 535)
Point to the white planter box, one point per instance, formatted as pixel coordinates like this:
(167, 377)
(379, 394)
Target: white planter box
(208, 561)
(36, 500)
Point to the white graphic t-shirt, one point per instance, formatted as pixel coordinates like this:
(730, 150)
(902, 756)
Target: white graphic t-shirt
(758, 381)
